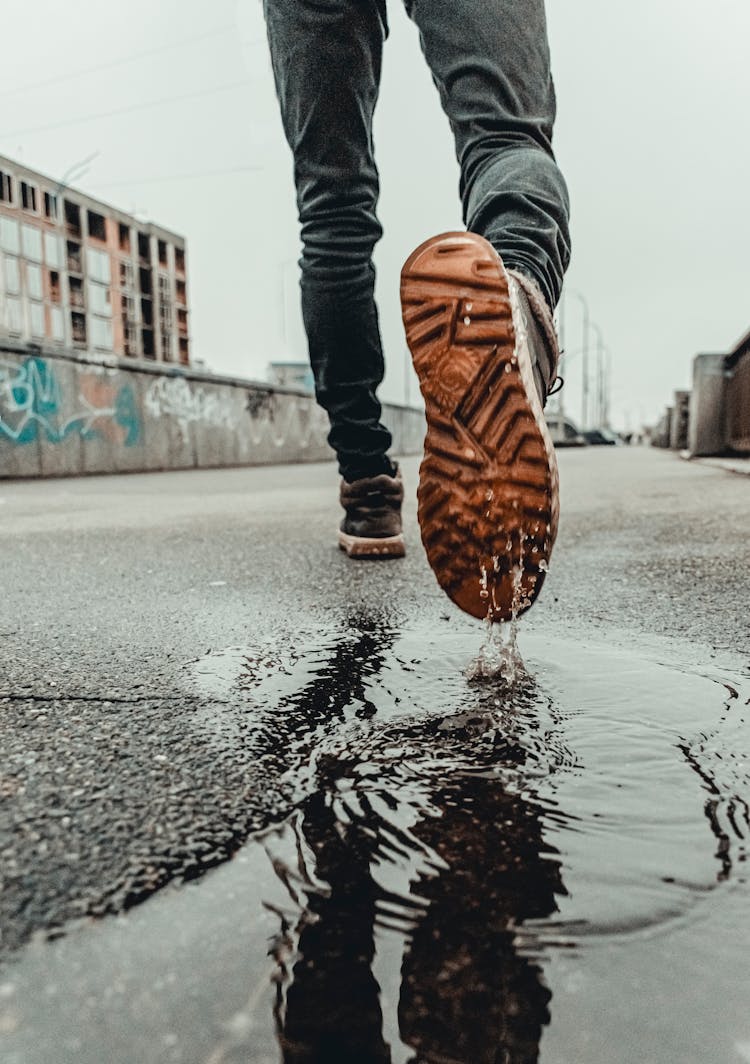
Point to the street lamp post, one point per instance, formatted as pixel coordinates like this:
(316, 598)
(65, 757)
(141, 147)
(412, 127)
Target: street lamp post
(584, 350)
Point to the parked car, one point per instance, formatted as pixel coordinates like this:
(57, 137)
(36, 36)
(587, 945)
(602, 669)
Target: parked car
(602, 438)
(564, 432)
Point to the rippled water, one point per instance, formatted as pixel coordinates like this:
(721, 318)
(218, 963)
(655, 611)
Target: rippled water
(448, 839)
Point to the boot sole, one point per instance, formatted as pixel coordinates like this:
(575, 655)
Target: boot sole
(488, 483)
(364, 547)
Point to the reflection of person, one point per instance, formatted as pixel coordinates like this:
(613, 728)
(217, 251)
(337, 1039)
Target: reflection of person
(477, 306)
(467, 994)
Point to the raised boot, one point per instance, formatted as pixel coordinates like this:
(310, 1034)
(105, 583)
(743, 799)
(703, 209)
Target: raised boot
(485, 351)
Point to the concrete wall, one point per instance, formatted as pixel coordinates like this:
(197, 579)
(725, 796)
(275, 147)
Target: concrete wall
(707, 430)
(678, 429)
(62, 415)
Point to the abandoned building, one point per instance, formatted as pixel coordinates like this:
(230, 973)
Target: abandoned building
(78, 274)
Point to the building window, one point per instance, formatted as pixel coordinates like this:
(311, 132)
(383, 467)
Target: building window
(9, 238)
(31, 242)
(57, 324)
(162, 248)
(99, 266)
(13, 316)
(75, 257)
(55, 292)
(50, 205)
(12, 275)
(52, 254)
(78, 323)
(124, 237)
(75, 290)
(127, 275)
(6, 187)
(72, 218)
(33, 281)
(99, 299)
(181, 290)
(29, 197)
(144, 247)
(148, 343)
(36, 319)
(101, 334)
(184, 351)
(97, 226)
(179, 260)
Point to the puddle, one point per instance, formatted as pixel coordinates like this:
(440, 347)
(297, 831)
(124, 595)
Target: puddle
(469, 829)
(468, 871)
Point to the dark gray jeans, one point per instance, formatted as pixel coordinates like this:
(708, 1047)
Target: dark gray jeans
(490, 62)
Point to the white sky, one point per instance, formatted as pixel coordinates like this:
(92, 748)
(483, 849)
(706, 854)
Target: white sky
(652, 136)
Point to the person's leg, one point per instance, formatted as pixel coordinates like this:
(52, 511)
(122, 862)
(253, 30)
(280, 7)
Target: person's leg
(490, 62)
(326, 57)
(477, 309)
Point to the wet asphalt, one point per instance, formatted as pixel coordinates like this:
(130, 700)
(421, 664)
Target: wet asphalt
(130, 762)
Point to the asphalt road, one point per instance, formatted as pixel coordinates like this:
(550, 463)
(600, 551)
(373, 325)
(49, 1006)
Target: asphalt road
(127, 764)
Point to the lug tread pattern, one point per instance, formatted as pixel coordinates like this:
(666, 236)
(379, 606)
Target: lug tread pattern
(488, 488)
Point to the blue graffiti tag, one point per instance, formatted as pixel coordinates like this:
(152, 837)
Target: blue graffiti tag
(31, 405)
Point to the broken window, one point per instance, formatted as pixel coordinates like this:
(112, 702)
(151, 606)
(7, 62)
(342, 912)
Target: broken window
(78, 324)
(72, 218)
(75, 258)
(144, 247)
(6, 187)
(127, 276)
(124, 237)
(50, 205)
(179, 260)
(97, 226)
(55, 293)
(29, 197)
(75, 288)
(162, 247)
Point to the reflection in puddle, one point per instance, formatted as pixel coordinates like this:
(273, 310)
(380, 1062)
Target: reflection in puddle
(444, 835)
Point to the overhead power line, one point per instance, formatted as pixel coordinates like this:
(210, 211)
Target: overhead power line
(110, 64)
(178, 177)
(125, 110)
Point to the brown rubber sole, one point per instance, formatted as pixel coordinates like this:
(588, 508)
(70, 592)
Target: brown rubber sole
(488, 484)
(365, 547)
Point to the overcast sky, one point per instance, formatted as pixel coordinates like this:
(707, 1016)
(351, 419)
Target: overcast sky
(652, 136)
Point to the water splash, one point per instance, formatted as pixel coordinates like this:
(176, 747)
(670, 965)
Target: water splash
(499, 657)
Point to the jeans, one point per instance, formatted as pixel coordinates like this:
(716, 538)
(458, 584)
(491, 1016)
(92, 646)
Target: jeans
(490, 62)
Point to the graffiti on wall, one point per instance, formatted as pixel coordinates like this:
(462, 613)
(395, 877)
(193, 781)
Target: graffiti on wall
(33, 406)
(174, 397)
